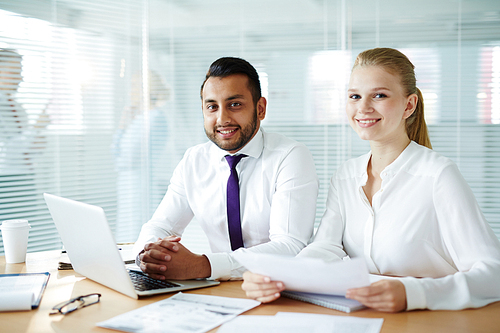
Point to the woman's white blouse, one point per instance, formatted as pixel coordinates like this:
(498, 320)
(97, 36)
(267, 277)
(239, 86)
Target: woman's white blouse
(424, 225)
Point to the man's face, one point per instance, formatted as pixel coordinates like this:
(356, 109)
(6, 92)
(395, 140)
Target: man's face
(10, 75)
(230, 117)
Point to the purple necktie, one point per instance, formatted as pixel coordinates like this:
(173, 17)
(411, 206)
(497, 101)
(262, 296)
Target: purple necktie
(233, 203)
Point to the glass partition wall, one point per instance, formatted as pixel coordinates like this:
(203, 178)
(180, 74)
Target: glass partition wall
(109, 98)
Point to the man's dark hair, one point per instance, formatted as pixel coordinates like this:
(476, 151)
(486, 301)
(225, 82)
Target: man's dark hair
(10, 55)
(227, 66)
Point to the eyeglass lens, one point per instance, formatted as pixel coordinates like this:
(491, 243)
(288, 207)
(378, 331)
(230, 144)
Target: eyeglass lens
(78, 303)
(70, 307)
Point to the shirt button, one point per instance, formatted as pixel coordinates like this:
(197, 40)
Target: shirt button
(381, 190)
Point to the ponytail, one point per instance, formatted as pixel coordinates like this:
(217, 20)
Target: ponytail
(416, 127)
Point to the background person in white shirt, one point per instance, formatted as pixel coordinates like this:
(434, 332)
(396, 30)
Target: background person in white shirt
(278, 185)
(127, 149)
(402, 207)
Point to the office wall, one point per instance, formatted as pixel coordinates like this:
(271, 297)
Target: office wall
(303, 50)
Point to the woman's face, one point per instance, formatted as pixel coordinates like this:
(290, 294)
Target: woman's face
(377, 106)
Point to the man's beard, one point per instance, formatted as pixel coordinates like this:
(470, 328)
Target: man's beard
(245, 134)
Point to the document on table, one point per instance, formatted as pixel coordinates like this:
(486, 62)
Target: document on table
(290, 322)
(125, 252)
(23, 291)
(181, 313)
(308, 274)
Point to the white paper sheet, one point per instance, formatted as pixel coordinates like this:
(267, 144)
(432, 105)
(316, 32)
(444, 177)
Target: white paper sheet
(252, 324)
(338, 324)
(18, 292)
(292, 322)
(181, 313)
(308, 274)
(16, 301)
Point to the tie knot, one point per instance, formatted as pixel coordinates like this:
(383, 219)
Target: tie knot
(232, 160)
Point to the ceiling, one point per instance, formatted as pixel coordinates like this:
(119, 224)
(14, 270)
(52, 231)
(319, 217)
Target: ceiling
(262, 17)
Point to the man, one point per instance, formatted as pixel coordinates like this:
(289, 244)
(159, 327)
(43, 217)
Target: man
(21, 140)
(277, 180)
(15, 132)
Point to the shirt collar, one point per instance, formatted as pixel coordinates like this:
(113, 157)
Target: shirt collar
(389, 170)
(362, 172)
(401, 161)
(4, 96)
(253, 148)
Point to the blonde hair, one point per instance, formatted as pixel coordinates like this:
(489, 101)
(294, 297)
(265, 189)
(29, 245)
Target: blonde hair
(397, 63)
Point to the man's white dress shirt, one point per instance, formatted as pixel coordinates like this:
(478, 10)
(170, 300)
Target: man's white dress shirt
(278, 192)
(424, 224)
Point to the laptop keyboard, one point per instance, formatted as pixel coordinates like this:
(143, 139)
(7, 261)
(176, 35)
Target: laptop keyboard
(142, 282)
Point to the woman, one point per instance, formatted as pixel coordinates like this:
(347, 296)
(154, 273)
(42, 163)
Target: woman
(402, 207)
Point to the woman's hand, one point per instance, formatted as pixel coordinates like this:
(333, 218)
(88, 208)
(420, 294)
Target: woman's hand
(261, 288)
(383, 295)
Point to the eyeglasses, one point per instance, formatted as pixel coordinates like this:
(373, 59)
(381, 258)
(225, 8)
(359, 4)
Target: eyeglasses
(75, 304)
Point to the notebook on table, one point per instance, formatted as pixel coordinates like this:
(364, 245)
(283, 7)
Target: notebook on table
(89, 242)
(335, 302)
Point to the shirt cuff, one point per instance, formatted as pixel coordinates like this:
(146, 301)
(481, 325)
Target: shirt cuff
(415, 294)
(220, 266)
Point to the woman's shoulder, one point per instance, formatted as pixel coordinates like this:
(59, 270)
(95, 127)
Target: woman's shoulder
(421, 159)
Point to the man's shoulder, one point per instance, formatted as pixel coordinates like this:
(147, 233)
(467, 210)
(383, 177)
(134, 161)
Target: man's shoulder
(199, 151)
(279, 142)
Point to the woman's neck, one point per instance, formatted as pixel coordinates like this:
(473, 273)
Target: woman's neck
(382, 155)
(386, 153)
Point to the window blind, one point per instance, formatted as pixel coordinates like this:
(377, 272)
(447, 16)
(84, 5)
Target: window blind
(111, 92)
(76, 64)
(305, 50)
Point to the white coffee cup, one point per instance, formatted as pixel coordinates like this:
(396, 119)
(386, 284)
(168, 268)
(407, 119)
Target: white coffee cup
(15, 240)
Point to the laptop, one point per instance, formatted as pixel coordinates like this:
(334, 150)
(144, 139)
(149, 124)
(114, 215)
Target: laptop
(92, 250)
